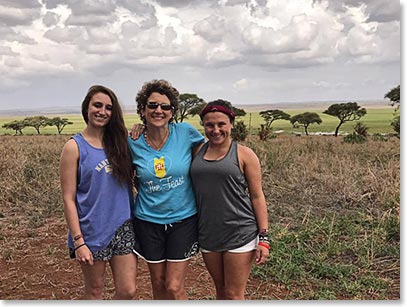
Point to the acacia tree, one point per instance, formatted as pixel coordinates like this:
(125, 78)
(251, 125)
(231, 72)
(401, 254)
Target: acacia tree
(271, 115)
(305, 119)
(59, 122)
(199, 107)
(36, 122)
(186, 103)
(16, 125)
(394, 96)
(345, 112)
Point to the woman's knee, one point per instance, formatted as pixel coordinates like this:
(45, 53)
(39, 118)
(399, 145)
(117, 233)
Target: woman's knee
(94, 290)
(234, 294)
(175, 289)
(127, 292)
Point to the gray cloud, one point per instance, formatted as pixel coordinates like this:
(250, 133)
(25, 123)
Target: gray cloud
(51, 19)
(236, 2)
(179, 3)
(239, 44)
(137, 6)
(211, 28)
(65, 35)
(22, 4)
(17, 15)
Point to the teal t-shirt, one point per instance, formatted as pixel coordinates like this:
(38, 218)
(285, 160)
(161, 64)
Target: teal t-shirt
(165, 193)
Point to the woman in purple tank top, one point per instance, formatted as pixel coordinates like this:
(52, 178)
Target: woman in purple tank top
(96, 178)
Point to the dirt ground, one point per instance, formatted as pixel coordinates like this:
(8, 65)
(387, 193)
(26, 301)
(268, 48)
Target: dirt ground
(35, 265)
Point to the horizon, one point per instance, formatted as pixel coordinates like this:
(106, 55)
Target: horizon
(127, 109)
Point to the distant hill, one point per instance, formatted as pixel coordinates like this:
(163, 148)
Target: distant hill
(129, 109)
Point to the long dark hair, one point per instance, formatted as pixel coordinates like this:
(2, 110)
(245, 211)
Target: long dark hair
(114, 136)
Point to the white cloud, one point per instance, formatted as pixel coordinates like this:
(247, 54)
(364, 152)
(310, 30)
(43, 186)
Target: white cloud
(65, 35)
(241, 84)
(212, 28)
(266, 39)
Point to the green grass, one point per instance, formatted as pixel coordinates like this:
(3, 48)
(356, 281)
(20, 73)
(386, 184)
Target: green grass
(377, 120)
(334, 216)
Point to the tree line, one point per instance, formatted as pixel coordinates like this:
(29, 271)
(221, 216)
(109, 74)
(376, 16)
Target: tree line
(37, 122)
(191, 105)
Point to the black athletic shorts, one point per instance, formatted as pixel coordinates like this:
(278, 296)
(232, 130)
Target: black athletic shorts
(177, 241)
(122, 244)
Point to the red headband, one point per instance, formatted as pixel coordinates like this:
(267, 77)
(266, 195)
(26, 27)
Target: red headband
(213, 108)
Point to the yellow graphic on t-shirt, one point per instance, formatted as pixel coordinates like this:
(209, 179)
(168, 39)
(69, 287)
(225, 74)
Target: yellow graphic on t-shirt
(159, 167)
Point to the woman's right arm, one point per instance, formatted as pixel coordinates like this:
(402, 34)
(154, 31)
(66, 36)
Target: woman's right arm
(68, 173)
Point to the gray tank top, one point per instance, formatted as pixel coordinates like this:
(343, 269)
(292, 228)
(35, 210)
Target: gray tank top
(226, 216)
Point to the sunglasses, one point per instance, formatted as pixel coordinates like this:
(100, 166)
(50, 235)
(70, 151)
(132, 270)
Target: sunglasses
(154, 105)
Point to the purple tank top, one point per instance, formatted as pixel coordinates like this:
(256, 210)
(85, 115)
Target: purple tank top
(103, 204)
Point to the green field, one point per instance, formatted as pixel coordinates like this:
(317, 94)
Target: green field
(377, 120)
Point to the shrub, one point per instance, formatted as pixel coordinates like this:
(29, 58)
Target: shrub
(239, 131)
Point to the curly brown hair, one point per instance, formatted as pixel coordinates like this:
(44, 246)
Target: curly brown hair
(162, 87)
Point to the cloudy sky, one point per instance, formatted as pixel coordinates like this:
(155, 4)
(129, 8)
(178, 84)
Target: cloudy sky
(244, 51)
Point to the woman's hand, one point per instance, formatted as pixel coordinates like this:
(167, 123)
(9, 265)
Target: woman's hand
(261, 254)
(136, 131)
(83, 254)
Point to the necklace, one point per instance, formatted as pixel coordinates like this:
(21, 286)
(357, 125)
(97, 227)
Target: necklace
(153, 144)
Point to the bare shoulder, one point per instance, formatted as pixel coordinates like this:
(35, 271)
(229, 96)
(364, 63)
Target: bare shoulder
(70, 145)
(70, 148)
(246, 154)
(245, 151)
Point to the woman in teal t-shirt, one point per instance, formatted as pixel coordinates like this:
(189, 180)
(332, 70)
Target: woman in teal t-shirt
(165, 214)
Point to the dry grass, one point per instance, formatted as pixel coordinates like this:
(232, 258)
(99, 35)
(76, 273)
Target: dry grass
(333, 209)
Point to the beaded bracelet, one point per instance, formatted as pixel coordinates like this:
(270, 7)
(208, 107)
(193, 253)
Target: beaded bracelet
(79, 246)
(263, 238)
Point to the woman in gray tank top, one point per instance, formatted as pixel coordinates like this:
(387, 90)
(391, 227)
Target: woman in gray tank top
(233, 224)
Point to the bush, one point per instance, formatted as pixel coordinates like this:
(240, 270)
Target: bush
(396, 125)
(354, 138)
(264, 133)
(239, 131)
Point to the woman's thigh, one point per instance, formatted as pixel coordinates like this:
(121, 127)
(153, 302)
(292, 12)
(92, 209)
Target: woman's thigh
(214, 264)
(237, 267)
(124, 271)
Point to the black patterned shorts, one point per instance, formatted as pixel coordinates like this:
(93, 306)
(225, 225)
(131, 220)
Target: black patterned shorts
(122, 244)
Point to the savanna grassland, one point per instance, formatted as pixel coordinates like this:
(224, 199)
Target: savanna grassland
(334, 216)
(377, 119)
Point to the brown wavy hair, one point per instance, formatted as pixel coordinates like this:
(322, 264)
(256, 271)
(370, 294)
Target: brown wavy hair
(114, 136)
(162, 87)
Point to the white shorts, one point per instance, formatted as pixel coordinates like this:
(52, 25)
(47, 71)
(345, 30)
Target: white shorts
(252, 245)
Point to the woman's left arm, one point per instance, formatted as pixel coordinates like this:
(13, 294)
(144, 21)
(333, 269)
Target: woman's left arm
(251, 168)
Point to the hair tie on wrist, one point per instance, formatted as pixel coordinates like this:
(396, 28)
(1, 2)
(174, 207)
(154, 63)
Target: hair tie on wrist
(79, 246)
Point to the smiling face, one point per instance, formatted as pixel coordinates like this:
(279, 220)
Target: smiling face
(158, 116)
(99, 110)
(217, 127)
